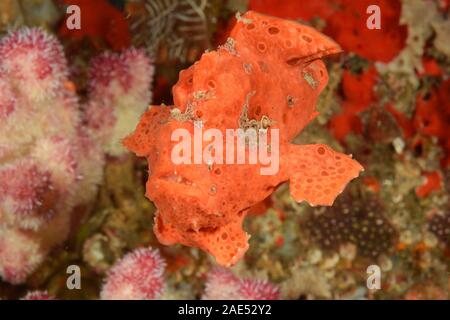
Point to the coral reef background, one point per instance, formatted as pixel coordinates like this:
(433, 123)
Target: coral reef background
(387, 103)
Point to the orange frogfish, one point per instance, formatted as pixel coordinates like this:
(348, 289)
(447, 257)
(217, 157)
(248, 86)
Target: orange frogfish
(267, 76)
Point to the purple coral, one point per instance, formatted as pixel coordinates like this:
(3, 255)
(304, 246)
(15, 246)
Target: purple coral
(351, 219)
(137, 276)
(222, 284)
(439, 225)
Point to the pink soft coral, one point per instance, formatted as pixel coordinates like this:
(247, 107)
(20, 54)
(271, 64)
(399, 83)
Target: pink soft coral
(44, 154)
(38, 295)
(119, 92)
(222, 284)
(137, 276)
(51, 162)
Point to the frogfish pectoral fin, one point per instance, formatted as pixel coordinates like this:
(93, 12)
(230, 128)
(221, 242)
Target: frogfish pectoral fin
(318, 174)
(142, 140)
